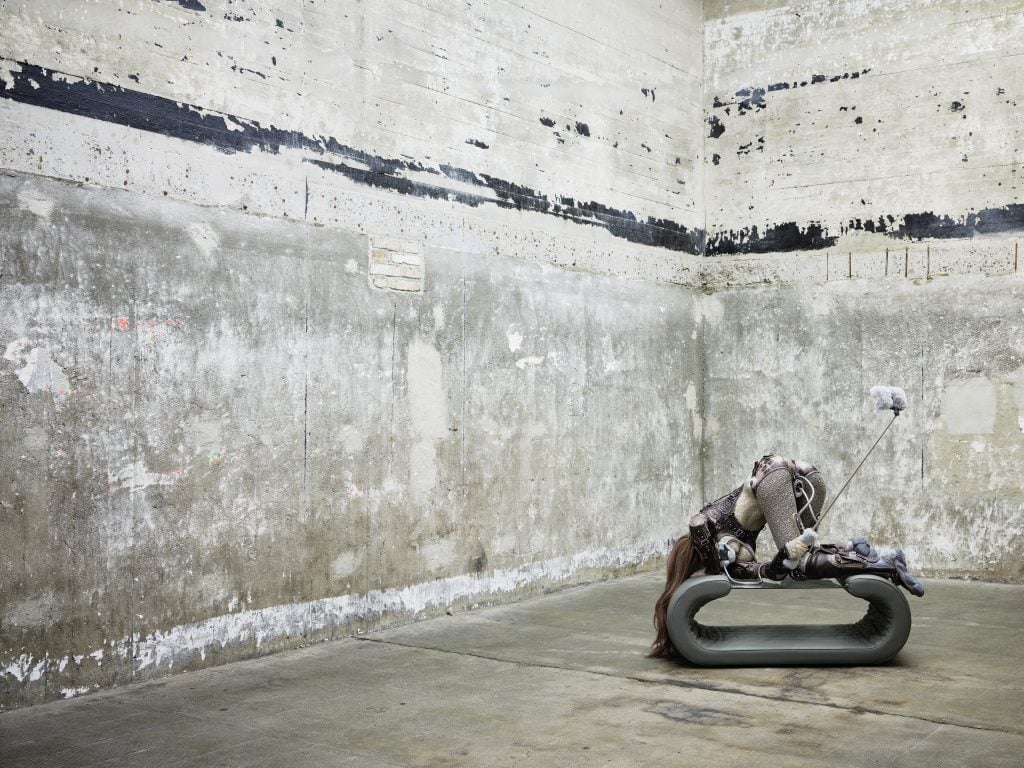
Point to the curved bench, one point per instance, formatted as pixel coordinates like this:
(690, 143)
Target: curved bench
(875, 639)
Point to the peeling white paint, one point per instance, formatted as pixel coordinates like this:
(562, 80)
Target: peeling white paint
(523, 362)
(162, 650)
(515, 340)
(344, 565)
(7, 69)
(39, 373)
(137, 476)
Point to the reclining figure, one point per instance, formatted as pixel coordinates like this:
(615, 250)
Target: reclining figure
(788, 497)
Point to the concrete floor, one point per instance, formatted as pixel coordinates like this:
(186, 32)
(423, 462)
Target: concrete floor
(561, 681)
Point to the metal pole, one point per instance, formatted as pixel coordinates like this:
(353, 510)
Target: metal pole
(836, 497)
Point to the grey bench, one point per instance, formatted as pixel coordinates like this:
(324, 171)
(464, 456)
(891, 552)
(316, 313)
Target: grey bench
(874, 639)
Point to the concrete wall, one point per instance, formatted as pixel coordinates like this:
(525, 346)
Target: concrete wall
(315, 319)
(862, 125)
(864, 213)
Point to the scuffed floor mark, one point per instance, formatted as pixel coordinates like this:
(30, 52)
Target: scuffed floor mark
(39, 373)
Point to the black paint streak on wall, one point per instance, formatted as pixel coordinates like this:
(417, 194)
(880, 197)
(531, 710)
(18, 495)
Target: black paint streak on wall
(752, 99)
(189, 5)
(477, 143)
(921, 226)
(548, 122)
(790, 236)
(582, 129)
(775, 239)
(717, 129)
(39, 87)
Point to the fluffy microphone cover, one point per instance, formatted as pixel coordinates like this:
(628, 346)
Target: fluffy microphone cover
(889, 398)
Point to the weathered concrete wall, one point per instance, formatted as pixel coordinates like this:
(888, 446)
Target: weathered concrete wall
(314, 319)
(789, 368)
(349, 114)
(862, 125)
(864, 204)
(219, 438)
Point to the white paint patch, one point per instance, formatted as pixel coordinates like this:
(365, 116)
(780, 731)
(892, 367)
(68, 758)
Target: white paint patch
(969, 407)
(515, 340)
(428, 412)
(522, 362)
(691, 397)
(709, 308)
(351, 267)
(232, 125)
(611, 362)
(7, 70)
(39, 373)
(17, 350)
(35, 204)
(344, 565)
(205, 238)
(70, 693)
(162, 650)
(136, 477)
(438, 554)
(31, 613)
(439, 319)
(352, 440)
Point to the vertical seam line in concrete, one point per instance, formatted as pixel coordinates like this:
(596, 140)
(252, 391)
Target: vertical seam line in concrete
(703, 144)
(305, 391)
(132, 495)
(465, 380)
(701, 273)
(703, 368)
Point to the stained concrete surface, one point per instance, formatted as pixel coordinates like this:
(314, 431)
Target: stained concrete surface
(562, 680)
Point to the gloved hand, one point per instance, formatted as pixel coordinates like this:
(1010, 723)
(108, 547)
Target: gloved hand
(798, 547)
(725, 553)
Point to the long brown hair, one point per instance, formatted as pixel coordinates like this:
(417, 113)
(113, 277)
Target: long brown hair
(682, 561)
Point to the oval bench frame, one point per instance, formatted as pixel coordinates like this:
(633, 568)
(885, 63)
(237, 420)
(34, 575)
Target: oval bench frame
(875, 639)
